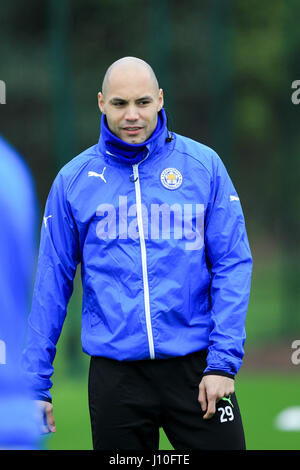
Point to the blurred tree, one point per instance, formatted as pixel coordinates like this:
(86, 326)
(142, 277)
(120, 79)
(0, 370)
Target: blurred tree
(62, 81)
(160, 48)
(289, 205)
(221, 85)
(64, 135)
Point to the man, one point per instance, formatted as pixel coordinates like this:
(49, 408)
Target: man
(158, 228)
(18, 423)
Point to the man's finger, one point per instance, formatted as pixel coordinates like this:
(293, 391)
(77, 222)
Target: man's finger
(202, 399)
(43, 426)
(211, 408)
(44, 429)
(50, 419)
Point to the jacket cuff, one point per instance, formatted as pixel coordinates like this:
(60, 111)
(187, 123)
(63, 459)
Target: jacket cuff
(43, 398)
(219, 372)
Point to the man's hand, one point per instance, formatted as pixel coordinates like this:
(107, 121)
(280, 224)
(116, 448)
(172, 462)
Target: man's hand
(45, 410)
(213, 388)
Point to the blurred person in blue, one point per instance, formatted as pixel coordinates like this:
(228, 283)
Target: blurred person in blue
(158, 228)
(19, 428)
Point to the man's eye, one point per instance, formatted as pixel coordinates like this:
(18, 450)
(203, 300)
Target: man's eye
(144, 102)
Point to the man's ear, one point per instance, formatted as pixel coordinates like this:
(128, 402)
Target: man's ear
(101, 102)
(160, 99)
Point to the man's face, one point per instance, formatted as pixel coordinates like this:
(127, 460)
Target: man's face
(131, 103)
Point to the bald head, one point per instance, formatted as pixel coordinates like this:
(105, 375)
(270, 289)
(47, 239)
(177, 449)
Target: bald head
(128, 65)
(131, 99)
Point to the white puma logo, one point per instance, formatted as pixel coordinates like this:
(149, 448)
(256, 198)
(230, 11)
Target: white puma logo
(234, 198)
(98, 175)
(45, 220)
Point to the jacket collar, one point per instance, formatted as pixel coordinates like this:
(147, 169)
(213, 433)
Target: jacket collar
(113, 147)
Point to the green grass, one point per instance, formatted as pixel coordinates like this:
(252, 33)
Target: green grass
(261, 398)
(71, 415)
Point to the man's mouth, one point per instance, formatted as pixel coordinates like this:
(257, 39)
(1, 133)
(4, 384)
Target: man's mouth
(132, 130)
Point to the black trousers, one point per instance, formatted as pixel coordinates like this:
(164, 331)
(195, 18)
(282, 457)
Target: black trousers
(130, 400)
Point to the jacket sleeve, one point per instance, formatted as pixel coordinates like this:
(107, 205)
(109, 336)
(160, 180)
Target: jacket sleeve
(230, 262)
(56, 268)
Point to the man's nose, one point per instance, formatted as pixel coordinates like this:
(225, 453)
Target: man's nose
(131, 114)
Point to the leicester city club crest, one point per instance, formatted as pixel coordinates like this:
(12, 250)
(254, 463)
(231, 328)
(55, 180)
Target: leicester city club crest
(171, 178)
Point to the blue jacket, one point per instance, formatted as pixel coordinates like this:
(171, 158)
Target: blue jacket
(165, 262)
(18, 236)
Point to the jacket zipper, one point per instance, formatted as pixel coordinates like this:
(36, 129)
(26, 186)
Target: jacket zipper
(144, 258)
